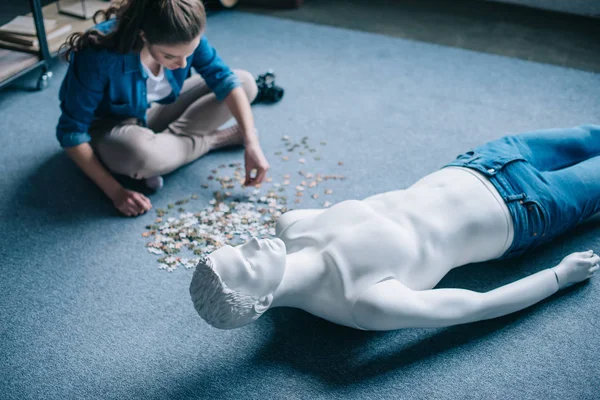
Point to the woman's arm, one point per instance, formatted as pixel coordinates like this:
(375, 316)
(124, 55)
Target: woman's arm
(84, 157)
(128, 202)
(238, 104)
(227, 87)
(81, 91)
(217, 75)
(254, 159)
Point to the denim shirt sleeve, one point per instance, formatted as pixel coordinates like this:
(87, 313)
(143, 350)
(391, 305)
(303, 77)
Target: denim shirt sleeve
(81, 92)
(217, 75)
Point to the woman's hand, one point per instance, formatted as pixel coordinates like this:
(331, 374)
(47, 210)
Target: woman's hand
(131, 203)
(128, 202)
(576, 268)
(255, 161)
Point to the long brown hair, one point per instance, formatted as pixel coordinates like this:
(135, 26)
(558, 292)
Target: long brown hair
(162, 21)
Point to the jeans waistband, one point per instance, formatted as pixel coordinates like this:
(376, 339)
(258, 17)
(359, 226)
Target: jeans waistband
(506, 175)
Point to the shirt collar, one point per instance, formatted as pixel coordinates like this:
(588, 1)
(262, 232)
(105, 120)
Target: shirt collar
(133, 64)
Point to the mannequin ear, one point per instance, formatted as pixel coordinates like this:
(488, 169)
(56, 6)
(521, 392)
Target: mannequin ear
(263, 303)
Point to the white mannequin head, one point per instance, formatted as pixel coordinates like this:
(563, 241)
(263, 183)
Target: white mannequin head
(234, 285)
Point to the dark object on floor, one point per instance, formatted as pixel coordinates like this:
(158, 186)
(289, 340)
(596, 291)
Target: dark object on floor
(272, 3)
(268, 92)
(218, 5)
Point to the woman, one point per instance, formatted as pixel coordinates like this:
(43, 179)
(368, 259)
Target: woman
(129, 99)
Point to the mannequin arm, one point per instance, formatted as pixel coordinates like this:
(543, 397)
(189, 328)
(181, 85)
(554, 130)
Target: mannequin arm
(290, 217)
(390, 305)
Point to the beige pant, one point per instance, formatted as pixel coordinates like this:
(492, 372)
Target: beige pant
(177, 133)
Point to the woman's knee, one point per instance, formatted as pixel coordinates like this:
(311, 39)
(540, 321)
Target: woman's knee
(145, 162)
(248, 83)
(135, 157)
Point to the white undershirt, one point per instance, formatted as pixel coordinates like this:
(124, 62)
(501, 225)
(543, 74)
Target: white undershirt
(157, 86)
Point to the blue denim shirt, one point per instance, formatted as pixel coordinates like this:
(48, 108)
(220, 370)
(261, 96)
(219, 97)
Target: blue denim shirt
(104, 83)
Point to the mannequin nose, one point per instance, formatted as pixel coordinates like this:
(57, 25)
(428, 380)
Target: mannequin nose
(255, 243)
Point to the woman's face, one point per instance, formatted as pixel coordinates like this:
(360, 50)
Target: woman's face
(172, 56)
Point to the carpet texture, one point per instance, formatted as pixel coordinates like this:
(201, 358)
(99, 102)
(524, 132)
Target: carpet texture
(86, 313)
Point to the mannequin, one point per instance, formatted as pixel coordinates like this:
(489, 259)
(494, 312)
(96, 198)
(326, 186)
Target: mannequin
(373, 264)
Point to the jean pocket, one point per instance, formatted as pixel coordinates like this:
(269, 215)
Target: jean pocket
(537, 218)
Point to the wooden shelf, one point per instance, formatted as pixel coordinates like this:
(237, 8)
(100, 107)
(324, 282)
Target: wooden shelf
(13, 62)
(16, 59)
(50, 12)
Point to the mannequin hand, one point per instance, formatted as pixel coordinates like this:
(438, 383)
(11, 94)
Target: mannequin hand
(576, 267)
(131, 203)
(254, 159)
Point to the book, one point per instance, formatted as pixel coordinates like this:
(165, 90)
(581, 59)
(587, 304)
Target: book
(82, 8)
(32, 41)
(12, 62)
(24, 25)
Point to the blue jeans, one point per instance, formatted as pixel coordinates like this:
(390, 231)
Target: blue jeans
(549, 179)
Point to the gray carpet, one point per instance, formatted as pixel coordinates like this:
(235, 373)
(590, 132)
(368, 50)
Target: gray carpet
(86, 313)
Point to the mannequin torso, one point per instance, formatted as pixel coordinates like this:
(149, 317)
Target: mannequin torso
(415, 236)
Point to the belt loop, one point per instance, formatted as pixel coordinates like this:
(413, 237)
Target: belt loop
(515, 197)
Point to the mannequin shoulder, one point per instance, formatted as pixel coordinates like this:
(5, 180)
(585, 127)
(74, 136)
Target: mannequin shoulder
(290, 217)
